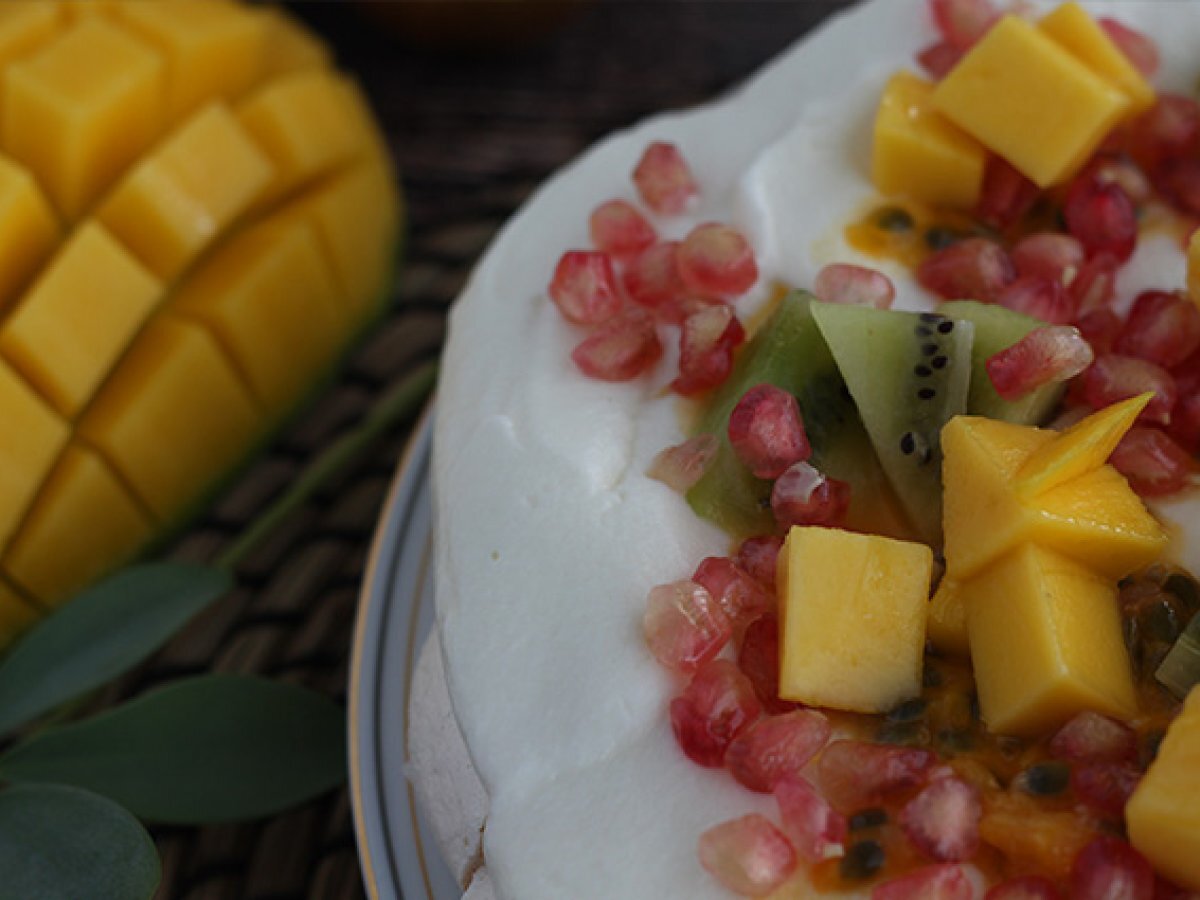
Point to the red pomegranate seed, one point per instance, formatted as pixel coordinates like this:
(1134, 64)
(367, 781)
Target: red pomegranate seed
(1110, 869)
(1095, 284)
(943, 882)
(652, 280)
(1169, 129)
(664, 180)
(584, 288)
(776, 747)
(938, 59)
(618, 229)
(974, 269)
(1101, 216)
(681, 466)
(1179, 181)
(1038, 297)
(741, 597)
(816, 829)
(1092, 737)
(1154, 464)
(854, 286)
(804, 496)
(1006, 196)
(758, 658)
(715, 260)
(1119, 169)
(620, 349)
(943, 820)
(1185, 417)
(1140, 49)
(706, 344)
(963, 22)
(749, 856)
(766, 431)
(717, 704)
(1049, 354)
(759, 556)
(1030, 887)
(1105, 787)
(1050, 255)
(855, 774)
(1099, 328)
(1114, 377)
(684, 626)
(1162, 327)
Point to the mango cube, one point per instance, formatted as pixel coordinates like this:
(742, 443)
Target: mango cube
(1074, 29)
(1046, 643)
(852, 619)
(1163, 815)
(947, 624)
(67, 348)
(81, 109)
(290, 47)
(29, 230)
(1031, 101)
(16, 614)
(171, 207)
(83, 522)
(1096, 518)
(26, 26)
(34, 436)
(918, 152)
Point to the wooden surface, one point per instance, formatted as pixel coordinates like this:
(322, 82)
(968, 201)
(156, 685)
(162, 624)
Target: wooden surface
(473, 133)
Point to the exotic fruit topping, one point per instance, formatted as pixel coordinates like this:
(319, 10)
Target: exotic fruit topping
(199, 214)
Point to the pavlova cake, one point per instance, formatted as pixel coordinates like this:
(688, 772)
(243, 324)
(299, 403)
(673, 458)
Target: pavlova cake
(812, 478)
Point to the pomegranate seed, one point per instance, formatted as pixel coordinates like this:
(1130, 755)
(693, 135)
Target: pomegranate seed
(621, 349)
(1049, 354)
(759, 556)
(943, 820)
(1101, 216)
(1006, 195)
(939, 59)
(717, 704)
(749, 856)
(715, 260)
(618, 229)
(681, 466)
(1140, 50)
(1119, 169)
(740, 597)
(1162, 327)
(974, 269)
(1154, 464)
(776, 747)
(758, 658)
(584, 288)
(1030, 887)
(1169, 129)
(1110, 869)
(1185, 417)
(963, 22)
(1099, 328)
(652, 280)
(663, 179)
(1105, 787)
(1047, 254)
(706, 344)
(1179, 181)
(1113, 378)
(1092, 737)
(816, 829)
(1038, 297)
(854, 286)
(684, 626)
(766, 431)
(1095, 284)
(944, 882)
(804, 496)
(856, 774)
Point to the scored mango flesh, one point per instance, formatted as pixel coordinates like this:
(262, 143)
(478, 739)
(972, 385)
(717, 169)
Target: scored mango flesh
(197, 213)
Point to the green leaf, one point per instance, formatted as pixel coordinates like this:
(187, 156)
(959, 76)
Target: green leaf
(63, 843)
(104, 631)
(217, 748)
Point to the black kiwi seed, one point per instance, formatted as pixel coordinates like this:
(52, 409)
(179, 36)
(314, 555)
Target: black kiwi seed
(939, 362)
(862, 860)
(929, 349)
(1045, 779)
(939, 238)
(923, 331)
(931, 318)
(867, 818)
(946, 327)
(927, 393)
(922, 371)
(908, 443)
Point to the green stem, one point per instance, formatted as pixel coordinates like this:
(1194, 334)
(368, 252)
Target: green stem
(400, 403)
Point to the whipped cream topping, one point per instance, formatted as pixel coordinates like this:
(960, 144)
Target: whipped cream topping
(549, 534)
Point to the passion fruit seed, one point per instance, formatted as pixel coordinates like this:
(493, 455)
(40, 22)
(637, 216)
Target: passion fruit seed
(1046, 779)
(863, 859)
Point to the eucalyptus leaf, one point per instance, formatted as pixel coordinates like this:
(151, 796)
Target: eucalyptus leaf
(64, 843)
(101, 633)
(217, 748)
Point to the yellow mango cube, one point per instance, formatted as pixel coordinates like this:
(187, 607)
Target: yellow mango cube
(29, 230)
(1096, 518)
(919, 153)
(16, 614)
(1162, 815)
(64, 347)
(1025, 97)
(852, 619)
(947, 624)
(172, 417)
(1046, 643)
(78, 111)
(25, 26)
(34, 436)
(290, 46)
(82, 523)
(1074, 29)
(171, 207)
